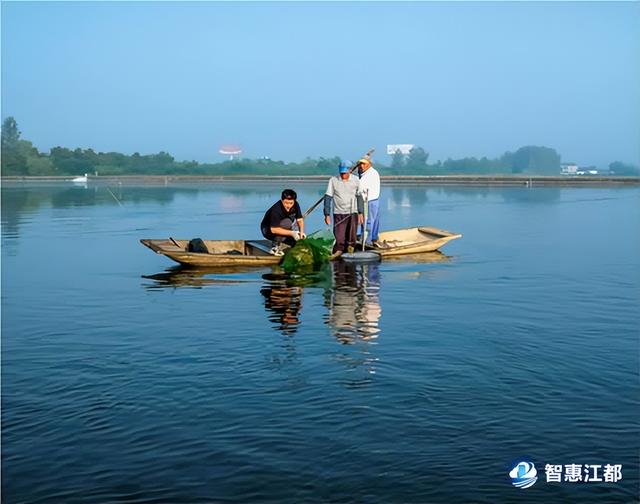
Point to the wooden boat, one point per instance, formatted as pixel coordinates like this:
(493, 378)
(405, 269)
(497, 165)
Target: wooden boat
(414, 240)
(400, 242)
(221, 252)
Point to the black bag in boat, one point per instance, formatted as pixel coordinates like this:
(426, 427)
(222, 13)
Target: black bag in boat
(197, 245)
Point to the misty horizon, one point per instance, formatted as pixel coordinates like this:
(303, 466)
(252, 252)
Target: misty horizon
(296, 80)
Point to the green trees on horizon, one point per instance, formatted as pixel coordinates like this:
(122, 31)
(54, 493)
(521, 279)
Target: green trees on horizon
(20, 157)
(529, 159)
(620, 168)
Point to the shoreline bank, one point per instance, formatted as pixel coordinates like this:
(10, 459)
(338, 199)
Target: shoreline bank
(473, 180)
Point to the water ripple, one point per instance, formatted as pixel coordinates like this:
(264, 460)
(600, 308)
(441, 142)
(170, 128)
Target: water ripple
(126, 380)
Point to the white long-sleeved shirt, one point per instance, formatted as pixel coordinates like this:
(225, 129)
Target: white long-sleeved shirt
(370, 184)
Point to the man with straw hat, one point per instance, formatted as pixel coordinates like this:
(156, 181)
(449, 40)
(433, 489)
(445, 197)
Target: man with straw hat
(370, 188)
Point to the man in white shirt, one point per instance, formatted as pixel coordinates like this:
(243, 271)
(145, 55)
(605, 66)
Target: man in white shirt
(370, 188)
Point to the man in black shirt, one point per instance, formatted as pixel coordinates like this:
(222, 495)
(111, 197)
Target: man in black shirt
(277, 223)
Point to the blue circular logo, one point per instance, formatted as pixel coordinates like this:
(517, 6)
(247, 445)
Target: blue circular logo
(523, 474)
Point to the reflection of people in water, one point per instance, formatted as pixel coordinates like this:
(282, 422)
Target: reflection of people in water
(354, 302)
(352, 298)
(284, 303)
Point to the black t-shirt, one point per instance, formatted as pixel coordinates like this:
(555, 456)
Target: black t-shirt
(277, 216)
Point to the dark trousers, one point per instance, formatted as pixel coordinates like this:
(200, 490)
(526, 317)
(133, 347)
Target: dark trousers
(345, 229)
(277, 239)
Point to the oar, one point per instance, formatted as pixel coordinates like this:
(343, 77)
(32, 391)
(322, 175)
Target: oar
(313, 207)
(366, 216)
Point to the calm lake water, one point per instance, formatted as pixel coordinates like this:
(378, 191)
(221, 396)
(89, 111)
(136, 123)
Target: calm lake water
(127, 380)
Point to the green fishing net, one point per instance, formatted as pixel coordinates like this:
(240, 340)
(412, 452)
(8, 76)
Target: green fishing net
(310, 253)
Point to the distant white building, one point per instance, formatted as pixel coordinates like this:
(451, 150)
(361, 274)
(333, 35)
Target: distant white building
(404, 149)
(569, 169)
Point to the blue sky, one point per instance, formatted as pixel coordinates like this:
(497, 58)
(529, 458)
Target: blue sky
(290, 80)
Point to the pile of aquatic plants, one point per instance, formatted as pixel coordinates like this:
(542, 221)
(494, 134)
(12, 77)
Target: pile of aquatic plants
(310, 253)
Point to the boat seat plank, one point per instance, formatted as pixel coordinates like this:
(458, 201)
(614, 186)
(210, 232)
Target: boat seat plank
(260, 246)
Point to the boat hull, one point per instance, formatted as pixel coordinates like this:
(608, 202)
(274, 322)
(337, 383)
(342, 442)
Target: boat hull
(222, 252)
(415, 240)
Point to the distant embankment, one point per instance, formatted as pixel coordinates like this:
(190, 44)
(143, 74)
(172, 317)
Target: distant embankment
(478, 180)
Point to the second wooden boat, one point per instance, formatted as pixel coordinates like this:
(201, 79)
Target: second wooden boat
(415, 240)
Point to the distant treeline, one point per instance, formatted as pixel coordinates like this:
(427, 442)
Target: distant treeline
(20, 157)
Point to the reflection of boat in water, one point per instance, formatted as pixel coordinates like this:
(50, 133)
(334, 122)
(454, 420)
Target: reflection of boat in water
(422, 258)
(434, 257)
(180, 276)
(336, 274)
